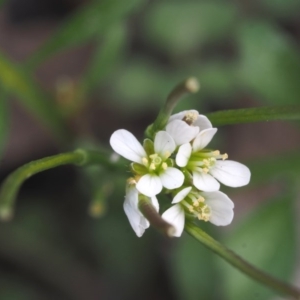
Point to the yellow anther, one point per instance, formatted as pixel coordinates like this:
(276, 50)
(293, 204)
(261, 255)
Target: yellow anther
(224, 156)
(164, 166)
(216, 152)
(152, 166)
(191, 209)
(206, 161)
(131, 181)
(167, 154)
(205, 170)
(153, 156)
(145, 161)
(196, 203)
(200, 199)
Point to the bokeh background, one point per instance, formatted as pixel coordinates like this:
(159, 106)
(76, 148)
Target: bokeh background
(72, 72)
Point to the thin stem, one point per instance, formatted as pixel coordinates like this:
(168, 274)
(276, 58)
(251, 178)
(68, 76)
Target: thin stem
(150, 213)
(190, 85)
(237, 262)
(258, 114)
(13, 182)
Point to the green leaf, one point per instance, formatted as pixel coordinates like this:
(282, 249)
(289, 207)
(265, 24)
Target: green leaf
(4, 119)
(256, 114)
(282, 167)
(286, 9)
(17, 83)
(90, 21)
(269, 63)
(267, 240)
(2, 2)
(193, 270)
(106, 57)
(179, 27)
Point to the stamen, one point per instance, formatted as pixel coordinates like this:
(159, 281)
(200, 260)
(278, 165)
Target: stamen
(225, 156)
(190, 117)
(167, 154)
(205, 170)
(131, 181)
(152, 166)
(164, 166)
(145, 161)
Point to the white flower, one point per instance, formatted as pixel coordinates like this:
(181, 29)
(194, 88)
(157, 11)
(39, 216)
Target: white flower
(214, 207)
(155, 170)
(184, 126)
(208, 167)
(136, 219)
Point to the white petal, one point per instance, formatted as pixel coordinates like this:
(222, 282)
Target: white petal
(221, 208)
(181, 195)
(181, 115)
(202, 122)
(164, 144)
(124, 143)
(181, 132)
(231, 173)
(183, 155)
(136, 219)
(175, 216)
(155, 203)
(203, 138)
(172, 178)
(149, 185)
(205, 182)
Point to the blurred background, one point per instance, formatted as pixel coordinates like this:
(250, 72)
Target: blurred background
(72, 72)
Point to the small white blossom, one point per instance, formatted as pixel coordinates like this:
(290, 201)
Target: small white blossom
(155, 169)
(208, 167)
(136, 219)
(184, 126)
(214, 207)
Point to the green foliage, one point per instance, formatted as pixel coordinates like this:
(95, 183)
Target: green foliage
(106, 57)
(4, 120)
(270, 63)
(16, 82)
(193, 271)
(178, 28)
(267, 240)
(91, 21)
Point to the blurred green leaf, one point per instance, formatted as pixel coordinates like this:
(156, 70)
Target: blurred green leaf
(255, 114)
(286, 9)
(281, 166)
(92, 20)
(267, 238)
(17, 83)
(4, 119)
(106, 56)
(269, 63)
(217, 78)
(193, 271)
(2, 2)
(127, 261)
(179, 27)
(141, 84)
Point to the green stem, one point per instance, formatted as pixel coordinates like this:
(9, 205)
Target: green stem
(258, 114)
(155, 219)
(13, 182)
(237, 262)
(190, 85)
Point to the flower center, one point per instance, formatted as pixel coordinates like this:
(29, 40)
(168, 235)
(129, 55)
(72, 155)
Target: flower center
(190, 117)
(155, 163)
(203, 160)
(195, 205)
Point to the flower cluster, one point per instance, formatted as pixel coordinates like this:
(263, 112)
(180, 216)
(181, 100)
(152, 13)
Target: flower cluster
(176, 162)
